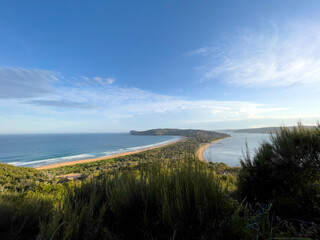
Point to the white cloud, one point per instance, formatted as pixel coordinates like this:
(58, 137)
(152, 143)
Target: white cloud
(84, 98)
(60, 104)
(103, 81)
(100, 80)
(274, 56)
(204, 51)
(117, 101)
(25, 83)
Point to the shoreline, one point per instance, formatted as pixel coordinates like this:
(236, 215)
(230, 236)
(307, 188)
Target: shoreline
(203, 147)
(69, 163)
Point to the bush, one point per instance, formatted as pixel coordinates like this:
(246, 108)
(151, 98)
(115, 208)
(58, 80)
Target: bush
(19, 179)
(286, 172)
(163, 200)
(20, 215)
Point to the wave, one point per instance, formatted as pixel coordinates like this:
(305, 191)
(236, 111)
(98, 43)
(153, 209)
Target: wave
(51, 160)
(123, 150)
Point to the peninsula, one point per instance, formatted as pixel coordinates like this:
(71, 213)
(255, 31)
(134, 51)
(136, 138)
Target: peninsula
(204, 134)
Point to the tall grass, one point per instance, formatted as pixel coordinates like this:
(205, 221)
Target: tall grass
(20, 216)
(163, 200)
(286, 172)
(175, 196)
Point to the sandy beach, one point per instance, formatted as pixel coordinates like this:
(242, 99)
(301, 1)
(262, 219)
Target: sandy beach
(56, 165)
(205, 146)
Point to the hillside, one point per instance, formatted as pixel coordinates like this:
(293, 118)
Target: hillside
(20, 178)
(167, 192)
(212, 135)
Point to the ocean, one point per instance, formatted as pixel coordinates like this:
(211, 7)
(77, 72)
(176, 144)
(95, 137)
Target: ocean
(35, 150)
(230, 150)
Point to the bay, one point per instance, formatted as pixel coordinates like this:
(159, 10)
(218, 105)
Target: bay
(34, 150)
(230, 150)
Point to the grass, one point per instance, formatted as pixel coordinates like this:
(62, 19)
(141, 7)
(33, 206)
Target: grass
(20, 215)
(286, 172)
(17, 179)
(167, 193)
(164, 200)
(174, 151)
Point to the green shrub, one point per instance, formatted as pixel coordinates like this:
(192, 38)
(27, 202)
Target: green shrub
(19, 179)
(20, 215)
(163, 200)
(286, 172)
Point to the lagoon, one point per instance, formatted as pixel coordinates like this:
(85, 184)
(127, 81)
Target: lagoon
(230, 150)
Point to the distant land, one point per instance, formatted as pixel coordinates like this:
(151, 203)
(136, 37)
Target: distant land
(265, 130)
(181, 132)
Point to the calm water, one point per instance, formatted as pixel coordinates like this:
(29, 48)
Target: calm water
(230, 150)
(44, 149)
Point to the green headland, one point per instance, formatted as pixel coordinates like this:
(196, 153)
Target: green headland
(167, 193)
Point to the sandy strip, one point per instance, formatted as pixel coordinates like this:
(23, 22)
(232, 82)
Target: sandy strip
(203, 147)
(71, 175)
(56, 165)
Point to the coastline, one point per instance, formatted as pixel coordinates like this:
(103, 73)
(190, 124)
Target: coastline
(69, 163)
(203, 147)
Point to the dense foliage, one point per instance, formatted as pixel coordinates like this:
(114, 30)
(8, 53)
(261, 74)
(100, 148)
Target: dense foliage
(174, 151)
(182, 199)
(20, 215)
(202, 135)
(286, 172)
(167, 193)
(163, 200)
(20, 179)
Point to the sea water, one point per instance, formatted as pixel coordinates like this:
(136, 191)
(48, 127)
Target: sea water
(34, 150)
(231, 150)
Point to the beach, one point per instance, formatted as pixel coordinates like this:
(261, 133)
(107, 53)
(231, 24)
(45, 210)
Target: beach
(205, 146)
(56, 165)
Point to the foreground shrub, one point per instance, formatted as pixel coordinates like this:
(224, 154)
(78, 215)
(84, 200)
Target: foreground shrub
(164, 200)
(20, 215)
(286, 172)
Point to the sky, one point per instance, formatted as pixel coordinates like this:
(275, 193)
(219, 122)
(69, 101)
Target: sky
(113, 66)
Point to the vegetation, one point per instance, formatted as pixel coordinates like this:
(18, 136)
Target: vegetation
(27, 198)
(165, 199)
(20, 179)
(167, 193)
(286, 172)
(20, 215)
(201, 135)
(174, 151)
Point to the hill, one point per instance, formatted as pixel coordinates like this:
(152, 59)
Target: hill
(20, 178)
(212, 135)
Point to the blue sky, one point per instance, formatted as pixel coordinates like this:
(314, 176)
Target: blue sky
(113, 66)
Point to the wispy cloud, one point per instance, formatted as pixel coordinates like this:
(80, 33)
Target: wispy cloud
(25, 83)
(217, 111)
(116, 101)
(111, 101)
(274, 55)
(204, 51)
(100, 80)
(60, 104)
(30, 83)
